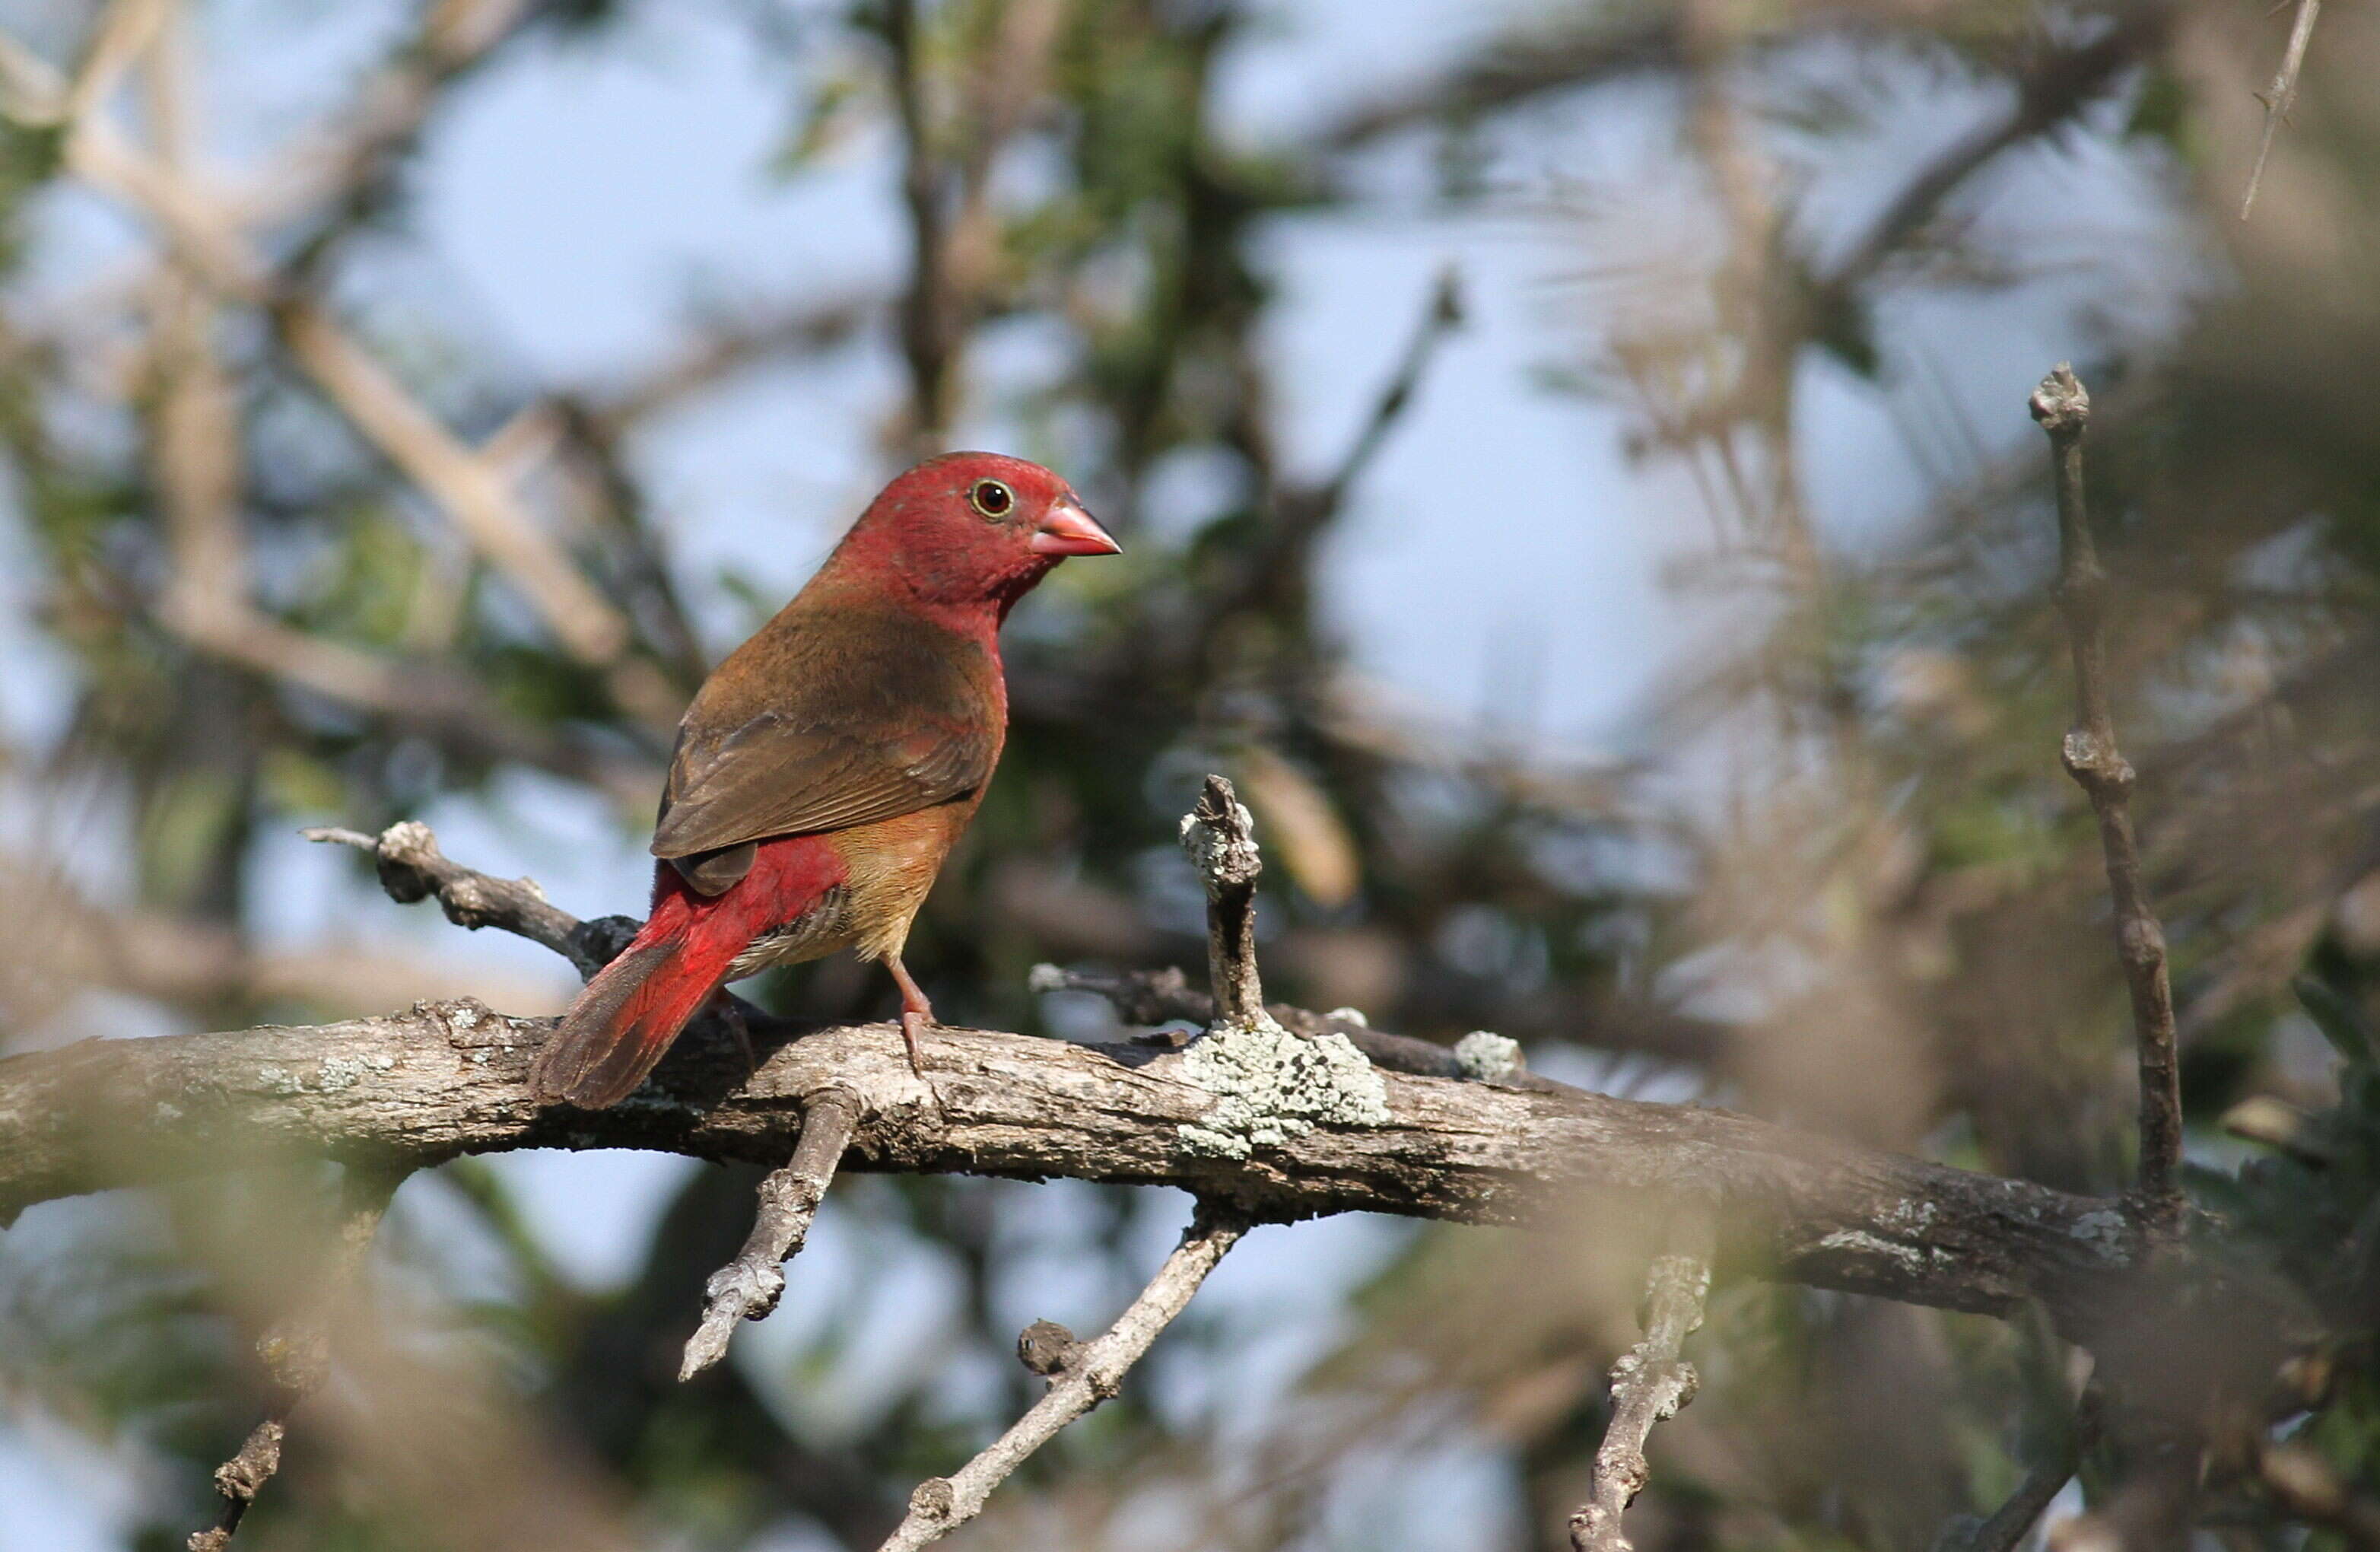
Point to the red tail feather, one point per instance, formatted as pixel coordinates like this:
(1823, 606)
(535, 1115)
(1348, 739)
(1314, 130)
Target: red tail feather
(631, 1012)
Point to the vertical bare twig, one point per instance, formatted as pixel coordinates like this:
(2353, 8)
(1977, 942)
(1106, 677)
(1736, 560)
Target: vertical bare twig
(296, 1351)
(2063, 408)
(749, 1287)
(1220, 835)
(2280, 96)
(930, 308)
(1650, 1382)
(1085, 1377)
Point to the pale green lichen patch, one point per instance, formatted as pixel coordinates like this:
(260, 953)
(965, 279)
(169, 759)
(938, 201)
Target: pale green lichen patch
(1860, 1242)
(345, 1073)
(2103, 1231)
(1270, 1085)
(1488, 1057)
(331, 1074)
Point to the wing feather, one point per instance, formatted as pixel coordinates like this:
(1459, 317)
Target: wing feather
(827, 723)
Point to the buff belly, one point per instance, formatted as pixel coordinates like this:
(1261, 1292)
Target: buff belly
(821, 931)
(890, 866)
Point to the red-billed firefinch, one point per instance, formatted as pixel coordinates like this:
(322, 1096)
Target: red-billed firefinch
(826, 768)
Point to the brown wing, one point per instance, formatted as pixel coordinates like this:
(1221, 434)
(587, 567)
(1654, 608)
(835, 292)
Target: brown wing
(828, 719)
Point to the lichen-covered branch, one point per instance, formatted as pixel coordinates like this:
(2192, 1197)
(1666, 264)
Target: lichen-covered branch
(749, 1287)
(1269, 1084)
(1650, 1382)
(444, 1078)
(2063, 408)
(1081, 1378)
(1271, 1124)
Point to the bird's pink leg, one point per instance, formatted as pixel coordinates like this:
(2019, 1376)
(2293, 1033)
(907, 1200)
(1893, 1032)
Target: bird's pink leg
(916, 1011)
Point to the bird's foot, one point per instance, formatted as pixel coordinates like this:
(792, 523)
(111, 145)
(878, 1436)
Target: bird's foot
(916, 1013)
(913, 1024)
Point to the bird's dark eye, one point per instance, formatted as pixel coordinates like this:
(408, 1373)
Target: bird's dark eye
(991, 498)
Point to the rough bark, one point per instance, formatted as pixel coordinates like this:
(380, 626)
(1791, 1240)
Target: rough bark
(415, 1088)
(1649, 1384)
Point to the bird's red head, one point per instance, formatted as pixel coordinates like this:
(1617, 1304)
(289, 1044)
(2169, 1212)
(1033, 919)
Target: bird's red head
(972, 530)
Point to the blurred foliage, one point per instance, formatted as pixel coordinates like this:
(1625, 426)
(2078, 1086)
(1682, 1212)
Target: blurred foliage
(1846, 886)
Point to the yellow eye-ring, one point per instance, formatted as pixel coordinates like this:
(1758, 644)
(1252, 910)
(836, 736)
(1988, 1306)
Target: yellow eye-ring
(991, 498)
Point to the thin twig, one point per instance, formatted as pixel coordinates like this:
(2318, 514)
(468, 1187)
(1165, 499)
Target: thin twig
(1300, 512)
(2010, 1523)
(1650, 1382)
(1220, 835)
(749, 1287)
(2050, 93)
(296, 1351)
(2281, 96)
(2063, 408)
(412, 868)
(1441, 315)
(1088, 1375)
